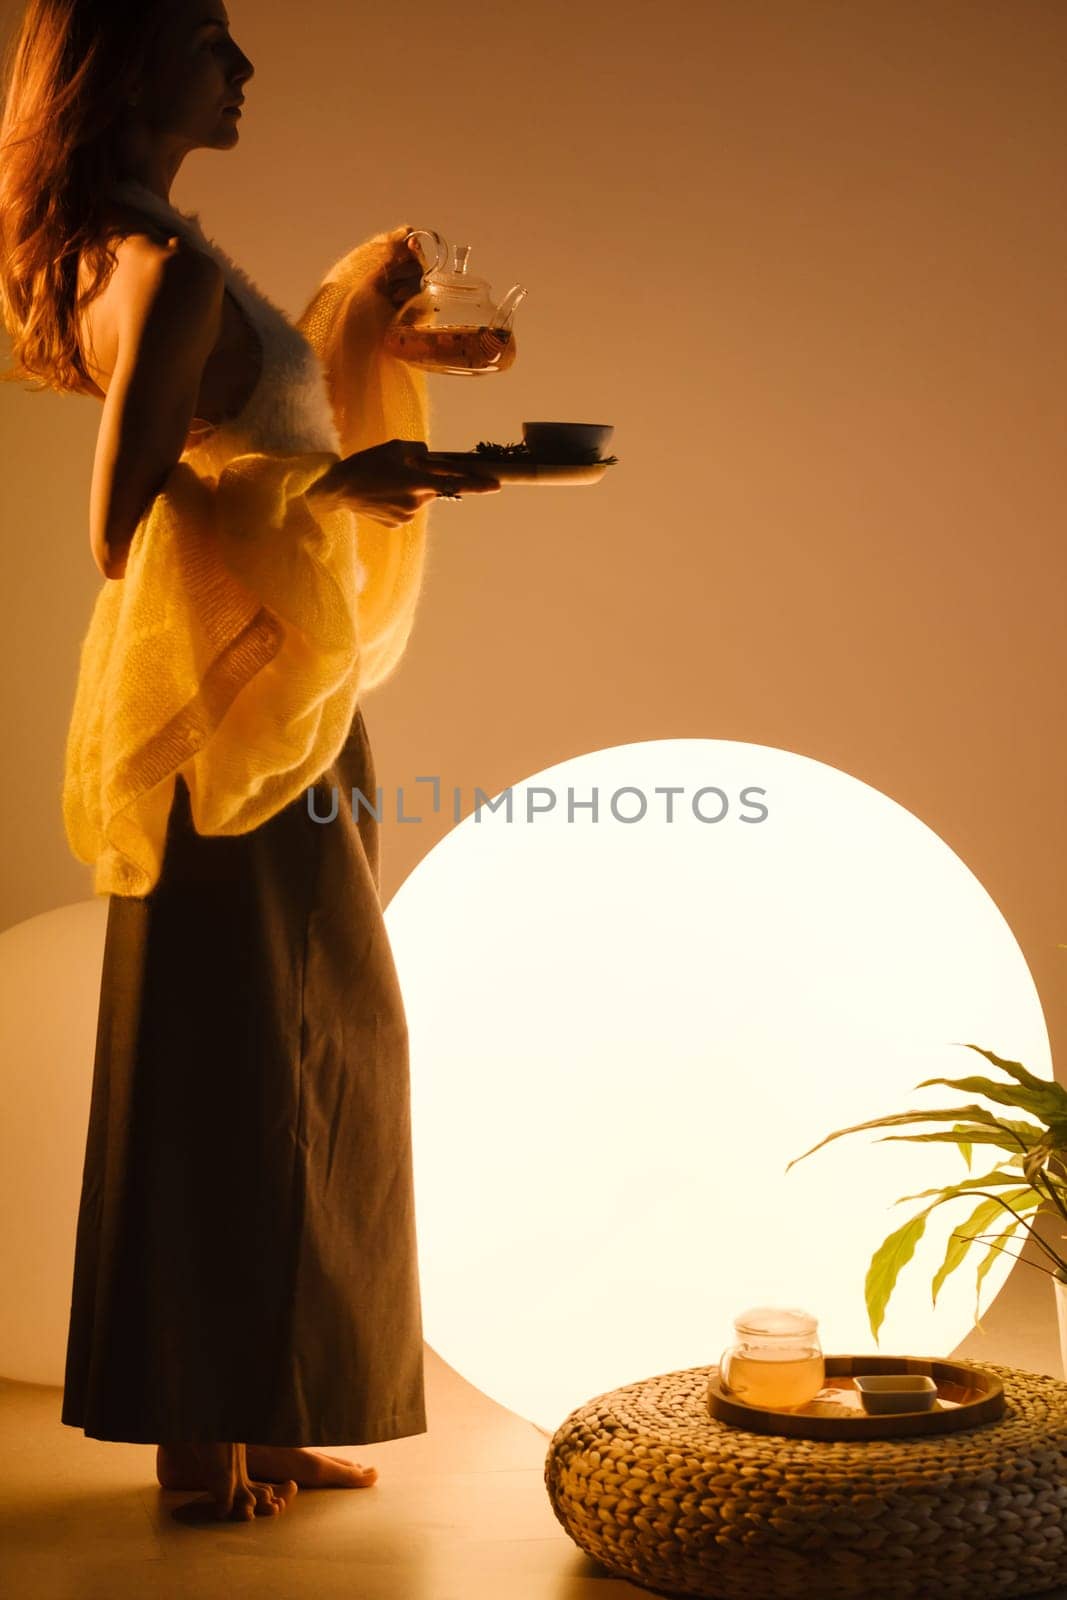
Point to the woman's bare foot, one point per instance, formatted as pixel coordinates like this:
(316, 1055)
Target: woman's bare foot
(224, 1471)
(313, 1469)
(179, 1466)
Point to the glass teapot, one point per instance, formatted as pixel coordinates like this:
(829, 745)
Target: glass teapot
(777, 1361)
(452, 325)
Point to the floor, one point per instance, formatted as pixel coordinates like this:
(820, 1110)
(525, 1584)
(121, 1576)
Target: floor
(457, 1513)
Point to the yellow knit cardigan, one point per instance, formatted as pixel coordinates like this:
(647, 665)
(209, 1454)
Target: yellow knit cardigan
(235, 647)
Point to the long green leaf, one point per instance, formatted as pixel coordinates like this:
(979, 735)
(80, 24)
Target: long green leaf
(1049, 1105)
(1035, 1159)
(979, 1114)
(998, 1179)
(972, 1134)
(1016, 1070)
(892, 1254)
(987, 1261)
(1043, 1167)
(897, 1250)
(1054, 1180)
(961, 1241)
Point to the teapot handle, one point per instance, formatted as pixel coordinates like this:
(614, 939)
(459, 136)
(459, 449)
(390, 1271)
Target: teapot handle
(439, 245)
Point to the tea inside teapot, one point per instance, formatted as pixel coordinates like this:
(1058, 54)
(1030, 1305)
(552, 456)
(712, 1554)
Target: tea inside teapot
(452, 349)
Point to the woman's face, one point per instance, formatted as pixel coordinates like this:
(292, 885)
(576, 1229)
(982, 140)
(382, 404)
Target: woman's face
(198, 69)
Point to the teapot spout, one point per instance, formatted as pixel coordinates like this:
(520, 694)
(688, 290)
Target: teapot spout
(506, 309)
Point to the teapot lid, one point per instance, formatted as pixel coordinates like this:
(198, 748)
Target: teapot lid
(775, 1320)
(455, 275)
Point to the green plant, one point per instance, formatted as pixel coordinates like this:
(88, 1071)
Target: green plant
(1032, 1180)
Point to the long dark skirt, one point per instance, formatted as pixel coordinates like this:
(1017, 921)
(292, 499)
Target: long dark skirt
(246, 1264)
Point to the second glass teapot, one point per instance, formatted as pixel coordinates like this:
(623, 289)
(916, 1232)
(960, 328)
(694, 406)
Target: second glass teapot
(452, 325)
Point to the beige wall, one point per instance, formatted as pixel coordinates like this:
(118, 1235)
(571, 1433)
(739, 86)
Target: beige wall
(809, 259)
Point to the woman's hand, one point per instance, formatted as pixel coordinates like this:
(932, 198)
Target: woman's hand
(401, 277)
(391, 482)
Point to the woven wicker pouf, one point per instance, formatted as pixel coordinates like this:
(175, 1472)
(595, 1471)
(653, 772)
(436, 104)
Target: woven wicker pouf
(650, 1485)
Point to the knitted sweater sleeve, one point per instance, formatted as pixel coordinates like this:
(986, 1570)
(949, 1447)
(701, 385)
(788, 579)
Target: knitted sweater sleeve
(235, 648)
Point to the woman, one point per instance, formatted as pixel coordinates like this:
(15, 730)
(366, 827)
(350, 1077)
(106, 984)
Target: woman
(245, 1265)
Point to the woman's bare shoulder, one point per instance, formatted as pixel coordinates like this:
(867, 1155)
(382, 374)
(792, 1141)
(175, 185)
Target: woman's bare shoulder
(145, 251)
(139, 245)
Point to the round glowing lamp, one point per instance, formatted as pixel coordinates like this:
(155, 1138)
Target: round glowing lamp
(633, 996)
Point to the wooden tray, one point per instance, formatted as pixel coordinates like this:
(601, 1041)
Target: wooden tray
(967, 1396)
(525, 469)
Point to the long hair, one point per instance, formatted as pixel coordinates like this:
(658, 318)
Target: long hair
(67, 75)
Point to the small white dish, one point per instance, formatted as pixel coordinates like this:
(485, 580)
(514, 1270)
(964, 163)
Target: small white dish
(885, 1393)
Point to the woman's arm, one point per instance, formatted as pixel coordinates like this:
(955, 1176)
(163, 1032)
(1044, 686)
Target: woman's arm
(168, 307)
(391, 482)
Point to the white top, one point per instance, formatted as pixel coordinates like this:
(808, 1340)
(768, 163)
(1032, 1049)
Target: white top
(289, 410)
